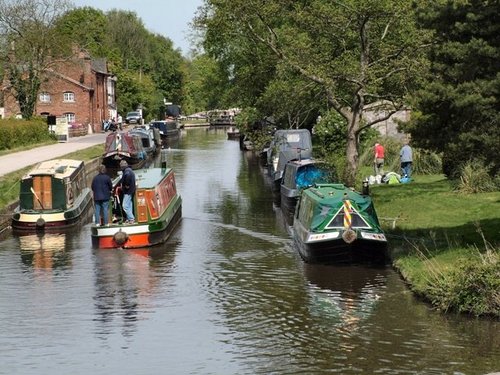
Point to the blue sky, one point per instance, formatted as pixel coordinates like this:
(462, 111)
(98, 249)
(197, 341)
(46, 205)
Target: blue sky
(169, 18)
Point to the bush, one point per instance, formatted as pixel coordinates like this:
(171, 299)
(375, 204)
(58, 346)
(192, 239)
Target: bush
(473, 287)
(475, 178)
(16, 133)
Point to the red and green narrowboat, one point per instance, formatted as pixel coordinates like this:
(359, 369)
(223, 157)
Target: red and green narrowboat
(335, 223)
(157, 211)
(53, 195)
(124, 146)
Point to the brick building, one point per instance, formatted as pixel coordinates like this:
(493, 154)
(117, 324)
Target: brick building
(80, 89)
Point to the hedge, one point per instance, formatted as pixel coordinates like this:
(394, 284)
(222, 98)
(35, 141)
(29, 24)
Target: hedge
(15, 133)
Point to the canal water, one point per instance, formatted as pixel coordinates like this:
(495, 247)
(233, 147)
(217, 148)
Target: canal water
(227, 294)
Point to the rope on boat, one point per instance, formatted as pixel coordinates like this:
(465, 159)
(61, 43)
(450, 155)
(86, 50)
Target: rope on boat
(347, 214)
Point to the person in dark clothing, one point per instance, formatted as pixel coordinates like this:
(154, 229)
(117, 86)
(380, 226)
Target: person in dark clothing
(127, 183)
(101, 188)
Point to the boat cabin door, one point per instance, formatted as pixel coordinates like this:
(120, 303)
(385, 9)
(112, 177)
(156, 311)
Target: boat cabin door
(42, 188)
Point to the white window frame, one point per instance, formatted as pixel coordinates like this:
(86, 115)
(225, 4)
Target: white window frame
(44, 97)
(69, 96)
(70, 117)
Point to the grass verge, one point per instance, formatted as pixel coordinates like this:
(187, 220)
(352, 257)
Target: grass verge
(445, 244)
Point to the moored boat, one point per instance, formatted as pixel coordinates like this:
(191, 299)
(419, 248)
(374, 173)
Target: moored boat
(53, 195)
(287, 145)
(168, 129)
(157, 209)
(335, 223)
(233, 133)
(124, 146)
(297, 176)
(150, 138)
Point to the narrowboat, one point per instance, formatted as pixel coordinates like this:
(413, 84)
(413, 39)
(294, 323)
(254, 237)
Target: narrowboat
(298, 175)
(157, 209)
(233, 133)
(168, 129)
(150, 138)
(53, 195)
(335, 223)
(124, 146)
(287, 145)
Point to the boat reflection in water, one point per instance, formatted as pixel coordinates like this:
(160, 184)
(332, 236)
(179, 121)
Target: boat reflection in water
(45, 250)
(126, 283)
(344, 295)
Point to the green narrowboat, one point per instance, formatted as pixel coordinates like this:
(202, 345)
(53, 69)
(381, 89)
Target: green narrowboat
(335, 223)
(53, 195)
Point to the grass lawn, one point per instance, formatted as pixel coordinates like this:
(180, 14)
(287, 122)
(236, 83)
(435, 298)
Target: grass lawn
(429, 209)
(438, 233)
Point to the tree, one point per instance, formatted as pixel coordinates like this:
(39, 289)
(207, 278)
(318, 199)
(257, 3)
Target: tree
(87, 27)
(30, 45)
(356, 51)
(459, 114)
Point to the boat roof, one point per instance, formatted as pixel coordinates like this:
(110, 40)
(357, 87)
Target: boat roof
(59, 168)
(334, 194)
(142, 132)
(302, 162)
(293, 139)
(148, 178)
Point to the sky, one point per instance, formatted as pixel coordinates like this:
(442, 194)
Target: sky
(169, 18)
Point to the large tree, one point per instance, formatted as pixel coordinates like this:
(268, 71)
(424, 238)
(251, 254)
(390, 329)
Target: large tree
(357, 51)
(460, 104)
(30, 45)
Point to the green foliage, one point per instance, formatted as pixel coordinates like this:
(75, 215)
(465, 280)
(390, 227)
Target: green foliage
(474, 287)
(18, 133)
(206, 85)
(459, 103)
(475, 178)
(246, 119)
(29, 25)
(351, 53)
(87, 27)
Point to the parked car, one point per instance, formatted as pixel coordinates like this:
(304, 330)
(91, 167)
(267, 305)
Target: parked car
(133, 118)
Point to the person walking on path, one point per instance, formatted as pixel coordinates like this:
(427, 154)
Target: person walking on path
(101, 188)
(406, 157)
(378, 161)
(128, 187)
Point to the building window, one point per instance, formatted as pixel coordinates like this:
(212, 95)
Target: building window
(69, 96)
(44, 97)
(70, 117)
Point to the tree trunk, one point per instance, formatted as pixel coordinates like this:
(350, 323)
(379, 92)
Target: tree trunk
(352, 149)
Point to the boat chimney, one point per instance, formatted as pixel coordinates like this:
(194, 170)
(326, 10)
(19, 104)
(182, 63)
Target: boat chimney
(366, 187)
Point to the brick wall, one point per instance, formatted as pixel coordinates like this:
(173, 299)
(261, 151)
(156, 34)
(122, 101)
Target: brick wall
(77, 76)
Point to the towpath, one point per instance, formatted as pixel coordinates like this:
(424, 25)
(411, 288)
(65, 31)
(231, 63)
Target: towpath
(19, 160)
